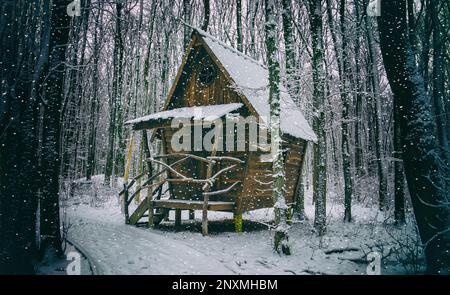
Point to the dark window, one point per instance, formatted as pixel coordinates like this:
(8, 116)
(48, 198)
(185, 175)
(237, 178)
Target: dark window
(207, 75)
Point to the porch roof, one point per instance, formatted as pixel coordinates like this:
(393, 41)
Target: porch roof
(197, 113)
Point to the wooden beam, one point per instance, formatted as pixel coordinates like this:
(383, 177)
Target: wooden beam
(209, 176)
(150, 212)
(129, 185)
(177, 217)
(140, 210)
(289, 215)
(125, 203)
(191, 214)
(151, 124)
(237, 221)
(193, 205)
(145, 185)
(129, 154)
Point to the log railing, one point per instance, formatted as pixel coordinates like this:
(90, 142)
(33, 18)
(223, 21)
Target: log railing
(178, 177)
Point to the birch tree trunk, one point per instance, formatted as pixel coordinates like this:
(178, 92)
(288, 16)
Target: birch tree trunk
(281, 238)
(121, 104)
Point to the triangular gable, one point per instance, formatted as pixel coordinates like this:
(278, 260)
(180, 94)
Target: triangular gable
(250, 79)
(196, 38)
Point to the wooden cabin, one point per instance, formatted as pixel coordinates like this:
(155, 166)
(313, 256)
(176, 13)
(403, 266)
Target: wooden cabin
(216, 84)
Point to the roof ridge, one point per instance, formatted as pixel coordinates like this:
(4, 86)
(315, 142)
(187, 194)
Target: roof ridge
(230, 48)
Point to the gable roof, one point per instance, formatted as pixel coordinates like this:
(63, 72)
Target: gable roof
(250, 78)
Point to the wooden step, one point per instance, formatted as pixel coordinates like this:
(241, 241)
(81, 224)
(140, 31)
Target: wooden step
(140, 210)
(157, 217)
(193, 205)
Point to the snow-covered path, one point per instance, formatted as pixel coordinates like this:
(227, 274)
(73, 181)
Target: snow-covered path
(115, 248)
(124, 249)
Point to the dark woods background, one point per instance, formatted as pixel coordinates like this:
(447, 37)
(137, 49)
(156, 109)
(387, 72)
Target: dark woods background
(34, 37)
(376, 91)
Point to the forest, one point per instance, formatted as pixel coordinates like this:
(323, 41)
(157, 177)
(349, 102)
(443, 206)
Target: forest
(371, 78)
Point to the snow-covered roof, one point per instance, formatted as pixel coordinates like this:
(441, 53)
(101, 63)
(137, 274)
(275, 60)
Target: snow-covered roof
(205, 113)
(251, 78)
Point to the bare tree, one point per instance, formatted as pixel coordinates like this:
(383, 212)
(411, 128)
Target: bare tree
(23, 176)
(319, 168)
(207, 11)
(423, 167)
(281, 228)
(115, 123)
(239, 25)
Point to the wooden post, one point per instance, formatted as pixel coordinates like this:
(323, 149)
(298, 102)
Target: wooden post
(205, 216)
(177, 217)
(150, 212)
(290, 215)
(238, 222)
(137, 199)
(129, 154)
(207, 188)
(125, 202)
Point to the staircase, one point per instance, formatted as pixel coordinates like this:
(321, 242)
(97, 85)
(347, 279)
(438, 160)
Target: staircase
(161, 208)
(157, 209)
(158, 214)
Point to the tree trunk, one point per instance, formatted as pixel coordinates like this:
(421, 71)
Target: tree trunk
(148, 97)
(359, 160)
(281, 227)
(53, 96)
(378, 130)
(206, 15)
(114, 103)
(239, 25)
(95, 105)
(289, 45)
(24, 67)
(187, 19)
(18, 142)
(438, 82)
(423, 167)
(399, 177)
(425, 54)
(319, 169)
(346, 101)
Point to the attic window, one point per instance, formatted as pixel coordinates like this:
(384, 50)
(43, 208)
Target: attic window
(207, 75)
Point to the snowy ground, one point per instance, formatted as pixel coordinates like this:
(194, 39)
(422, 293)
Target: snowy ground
(52, 265)
(97, 226)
